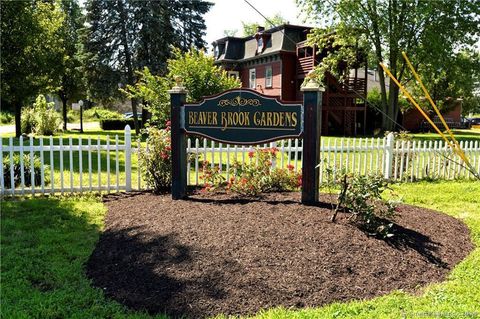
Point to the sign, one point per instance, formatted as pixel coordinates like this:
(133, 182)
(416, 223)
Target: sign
(243, 116)
(75, 106)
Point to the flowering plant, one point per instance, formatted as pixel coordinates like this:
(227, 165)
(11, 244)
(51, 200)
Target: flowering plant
(211, 176)
(156, 160)
(255, 177)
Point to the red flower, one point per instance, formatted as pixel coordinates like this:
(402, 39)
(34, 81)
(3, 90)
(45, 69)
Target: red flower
(168, 124)
(299, 181)
(251, 154)
(168, 148)
(290, 167)
(164, 155)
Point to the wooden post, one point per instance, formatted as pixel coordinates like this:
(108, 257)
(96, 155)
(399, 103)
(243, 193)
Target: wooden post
(312, 103)
(178, 96)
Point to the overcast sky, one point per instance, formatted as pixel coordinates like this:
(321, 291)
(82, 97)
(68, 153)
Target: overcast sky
(229, 14)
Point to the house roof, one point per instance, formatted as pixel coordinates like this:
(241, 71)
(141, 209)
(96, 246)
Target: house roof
(280, 38)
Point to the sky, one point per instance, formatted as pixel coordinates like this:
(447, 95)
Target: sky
(229, 14)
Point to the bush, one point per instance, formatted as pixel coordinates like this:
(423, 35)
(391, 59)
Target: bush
(156, 161)
(73, 116)
(37, 165)
(254, 178)
(361, 196)
(201, 77)
(6, 117)
(117, 124)
(96, 113)
(41, 119)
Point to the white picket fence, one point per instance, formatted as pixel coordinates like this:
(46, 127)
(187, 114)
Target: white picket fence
(395, 160)
(74, 165)
(110, 165)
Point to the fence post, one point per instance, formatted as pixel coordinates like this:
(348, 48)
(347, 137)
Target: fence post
(128, 158)
(389, 156)
(312, 103)
(178, 95)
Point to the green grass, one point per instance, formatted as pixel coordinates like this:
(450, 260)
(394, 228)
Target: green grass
(46, 241)
(460, 135)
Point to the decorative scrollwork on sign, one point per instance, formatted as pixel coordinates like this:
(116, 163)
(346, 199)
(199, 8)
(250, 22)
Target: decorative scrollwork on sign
(239, 101)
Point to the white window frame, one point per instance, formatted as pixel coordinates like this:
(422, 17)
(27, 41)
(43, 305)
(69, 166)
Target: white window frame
(268, 78)
(252, 79)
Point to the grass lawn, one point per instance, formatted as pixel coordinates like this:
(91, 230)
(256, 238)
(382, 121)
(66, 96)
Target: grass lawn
(46, 241)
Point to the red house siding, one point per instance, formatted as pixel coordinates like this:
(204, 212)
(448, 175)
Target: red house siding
(455, 114)
(412, 119)
(289, 85)
(275, 90)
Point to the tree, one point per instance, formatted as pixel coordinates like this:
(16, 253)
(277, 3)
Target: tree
(230, 32)
(200, 76)
(29, 46)
(124, 35)
(392, 26)
(191, 27)
(71, 83)
(271, 22)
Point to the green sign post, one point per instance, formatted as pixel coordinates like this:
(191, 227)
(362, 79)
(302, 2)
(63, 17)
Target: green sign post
(243, 116)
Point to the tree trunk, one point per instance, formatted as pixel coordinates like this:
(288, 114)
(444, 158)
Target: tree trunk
(128, 60)
(383, 95)
(18, 120)
(64, 111)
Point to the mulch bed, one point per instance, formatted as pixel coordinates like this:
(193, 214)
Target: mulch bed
(220, 254)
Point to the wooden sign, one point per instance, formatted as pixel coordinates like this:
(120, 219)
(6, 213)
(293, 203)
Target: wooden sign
(243, 116)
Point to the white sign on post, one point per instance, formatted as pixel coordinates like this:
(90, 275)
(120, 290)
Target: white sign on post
(76, 106)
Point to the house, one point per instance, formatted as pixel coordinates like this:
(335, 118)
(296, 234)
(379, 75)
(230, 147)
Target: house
(276, 61)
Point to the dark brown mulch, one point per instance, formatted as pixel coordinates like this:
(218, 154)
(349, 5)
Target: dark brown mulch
(211, 255)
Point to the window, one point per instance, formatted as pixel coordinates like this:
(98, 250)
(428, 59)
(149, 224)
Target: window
(268, 76)
(252, 79)
(260, 44)
(234, 74)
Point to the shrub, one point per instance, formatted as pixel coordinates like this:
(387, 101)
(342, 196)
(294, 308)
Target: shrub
(73, 116)
(28, 120)
(361, 196)
(41, 119)
(156, 161)
(201, 77)
(6, 117)
(254, 178)
(96, 113)
(37, 165)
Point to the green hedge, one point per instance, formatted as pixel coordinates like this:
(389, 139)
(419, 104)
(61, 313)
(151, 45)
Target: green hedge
(117, 124)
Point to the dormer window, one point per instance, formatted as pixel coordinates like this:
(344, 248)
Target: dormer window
(260, 43)
(260, 36)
